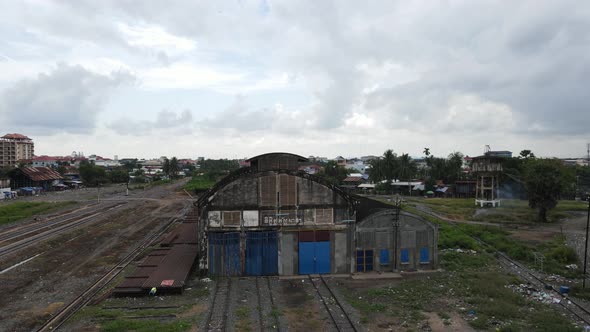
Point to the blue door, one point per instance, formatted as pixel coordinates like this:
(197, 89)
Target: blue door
(314, 257)
(306, 257)
(322, 254)
(424, 255)
(405, 256)
(261, 253)
(224, 254)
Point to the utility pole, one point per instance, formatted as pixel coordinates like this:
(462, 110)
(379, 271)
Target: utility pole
(586, 246)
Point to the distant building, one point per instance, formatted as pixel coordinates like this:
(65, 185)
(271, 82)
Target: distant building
(501, 154)
(367, 159)
(43, 177)
(341, 161)
(46, 161)
(310, 169)
(357, 166)
(15, 148)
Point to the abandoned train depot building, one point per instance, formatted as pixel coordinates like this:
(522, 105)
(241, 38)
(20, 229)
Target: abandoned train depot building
(271, 219)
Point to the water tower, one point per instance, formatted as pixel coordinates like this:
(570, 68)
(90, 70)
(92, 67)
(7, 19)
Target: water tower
(487, 169)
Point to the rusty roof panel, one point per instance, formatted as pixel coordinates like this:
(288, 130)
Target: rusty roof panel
(174, 269)
(41, 173)
(152, 261)
(185, 233)
(132, 282)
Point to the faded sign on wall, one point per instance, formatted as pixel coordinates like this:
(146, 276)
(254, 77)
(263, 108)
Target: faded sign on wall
(214, 218)
(281, 218)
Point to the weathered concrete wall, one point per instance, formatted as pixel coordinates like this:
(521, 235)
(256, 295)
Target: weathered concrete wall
(241, 192)
(288, 256)
(340, 255)
(313, 193)
(378, 232)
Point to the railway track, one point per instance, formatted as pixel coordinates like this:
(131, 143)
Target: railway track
(218, 314)
(24, 238)
(266, 312)
(79, 302)
(568, 304)
(338, 315)
(20, 229)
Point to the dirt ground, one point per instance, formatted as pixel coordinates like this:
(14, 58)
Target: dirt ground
(68, 264)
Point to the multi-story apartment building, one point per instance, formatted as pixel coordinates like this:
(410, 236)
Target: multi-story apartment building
(15, 148)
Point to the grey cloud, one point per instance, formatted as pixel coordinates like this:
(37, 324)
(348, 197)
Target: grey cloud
(532, 56)
(68, 99)
(165, 119)
(240, 117)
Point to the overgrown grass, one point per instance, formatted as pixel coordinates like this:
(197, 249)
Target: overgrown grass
(510, 211)
(20, 210)
(471, 285)
(199, 183)
(556, 253)
(145, 326)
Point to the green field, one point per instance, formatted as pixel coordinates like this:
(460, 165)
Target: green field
(511, 211)
(199, 183)
(11, 212)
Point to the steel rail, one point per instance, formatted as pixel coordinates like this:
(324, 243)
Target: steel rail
(13, 233)
(61, 229)
(7, 234)
(272, 303)
(79, 302)
(224, 312)
(323, 299)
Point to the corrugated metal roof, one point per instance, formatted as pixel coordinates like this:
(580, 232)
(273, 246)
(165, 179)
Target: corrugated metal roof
(41, 173)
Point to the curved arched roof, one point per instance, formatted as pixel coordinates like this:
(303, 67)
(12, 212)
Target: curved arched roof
(299, 158)
(204, 198)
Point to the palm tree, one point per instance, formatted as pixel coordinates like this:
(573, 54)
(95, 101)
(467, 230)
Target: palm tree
(174, 167)
(166, 167)
(406, 167)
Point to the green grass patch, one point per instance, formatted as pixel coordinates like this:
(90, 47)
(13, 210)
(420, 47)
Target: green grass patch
(21, 210)
(145, 326)
(556, 253)
(510, 211)
(199, 183)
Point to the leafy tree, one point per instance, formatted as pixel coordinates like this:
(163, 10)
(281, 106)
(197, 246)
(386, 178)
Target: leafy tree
(526, 154)
(333, 173)
(174, 167)
(91, 174)
(219, 165)
(5, 171)
(166, 167)
(119, 175)
(130, 164)
(545, 179)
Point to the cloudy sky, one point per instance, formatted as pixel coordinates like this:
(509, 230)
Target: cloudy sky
(238, 78)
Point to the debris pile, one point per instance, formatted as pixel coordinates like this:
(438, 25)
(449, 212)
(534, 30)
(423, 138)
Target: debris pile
(555, 278)
(534, 294)
(461, 251)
